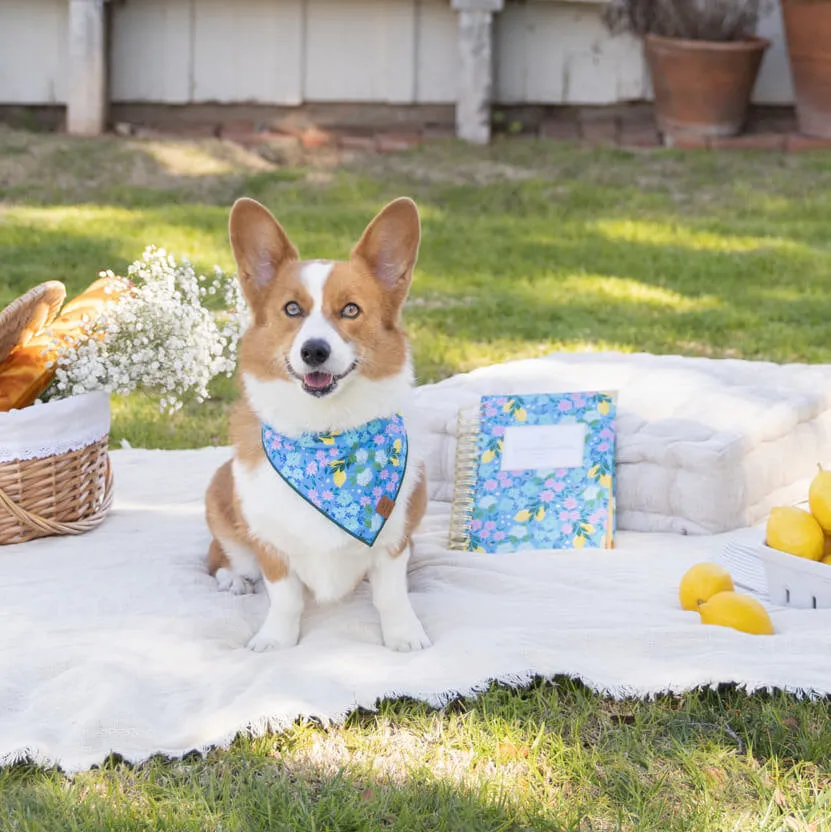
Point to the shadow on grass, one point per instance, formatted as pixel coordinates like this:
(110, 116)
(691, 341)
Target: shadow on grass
(548, 756)
(249, 792)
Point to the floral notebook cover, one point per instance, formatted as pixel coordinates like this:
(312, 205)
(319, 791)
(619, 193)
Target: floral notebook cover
(535, 472)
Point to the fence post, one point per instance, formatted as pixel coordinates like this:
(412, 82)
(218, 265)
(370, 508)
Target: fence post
(473, 99)
(86, 104)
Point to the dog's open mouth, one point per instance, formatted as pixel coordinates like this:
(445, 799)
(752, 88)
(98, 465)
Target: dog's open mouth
(319, 384)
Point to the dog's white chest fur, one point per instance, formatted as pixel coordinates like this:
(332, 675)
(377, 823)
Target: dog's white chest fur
(328, 560)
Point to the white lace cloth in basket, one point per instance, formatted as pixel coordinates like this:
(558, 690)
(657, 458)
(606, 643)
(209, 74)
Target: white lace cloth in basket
(54, 428)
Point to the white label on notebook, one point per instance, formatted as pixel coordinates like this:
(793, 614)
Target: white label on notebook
(532, 447)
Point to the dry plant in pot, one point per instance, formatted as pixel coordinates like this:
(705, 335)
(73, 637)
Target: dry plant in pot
(808, 34)
(703, 58)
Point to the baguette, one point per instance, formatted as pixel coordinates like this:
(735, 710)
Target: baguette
(25, 374)
(29, 370)
(87, 306)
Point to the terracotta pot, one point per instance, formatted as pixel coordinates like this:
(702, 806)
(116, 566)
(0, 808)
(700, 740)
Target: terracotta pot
(702, 88)
(808, 33)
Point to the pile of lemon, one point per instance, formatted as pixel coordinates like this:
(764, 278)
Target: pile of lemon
(806, 534)
(708, 589)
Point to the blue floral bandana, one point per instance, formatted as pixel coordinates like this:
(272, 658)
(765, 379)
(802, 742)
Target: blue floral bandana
(352, 477)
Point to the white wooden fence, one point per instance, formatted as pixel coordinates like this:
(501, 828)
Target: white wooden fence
(289, 52)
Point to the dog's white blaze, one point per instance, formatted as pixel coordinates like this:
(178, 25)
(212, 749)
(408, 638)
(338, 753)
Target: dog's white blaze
(314, 275)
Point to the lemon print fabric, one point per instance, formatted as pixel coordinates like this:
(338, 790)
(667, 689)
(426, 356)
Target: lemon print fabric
(352, 477)
(540, 505)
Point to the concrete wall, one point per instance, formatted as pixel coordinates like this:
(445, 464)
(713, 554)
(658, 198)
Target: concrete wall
(288, 52)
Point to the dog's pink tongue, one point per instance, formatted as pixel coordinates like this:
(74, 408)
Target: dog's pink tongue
(317, 381)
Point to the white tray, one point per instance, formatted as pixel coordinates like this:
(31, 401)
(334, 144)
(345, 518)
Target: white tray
(796, 582)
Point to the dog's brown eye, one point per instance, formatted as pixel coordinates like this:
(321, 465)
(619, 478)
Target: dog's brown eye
(293, 309)
(351, 310)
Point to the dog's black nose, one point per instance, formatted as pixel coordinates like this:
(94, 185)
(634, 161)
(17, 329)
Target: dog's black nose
(314, 352)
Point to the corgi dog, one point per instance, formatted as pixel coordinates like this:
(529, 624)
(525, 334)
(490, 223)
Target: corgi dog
(324, 487)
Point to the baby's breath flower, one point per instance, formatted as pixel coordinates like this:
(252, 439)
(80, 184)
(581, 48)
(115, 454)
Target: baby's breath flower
(157, 338)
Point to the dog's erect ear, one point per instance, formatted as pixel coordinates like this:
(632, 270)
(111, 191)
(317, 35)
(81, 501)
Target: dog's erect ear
(260, 248)
(389, 246)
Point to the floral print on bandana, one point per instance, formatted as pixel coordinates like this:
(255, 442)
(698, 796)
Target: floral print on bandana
(352, 476)
(558, 508)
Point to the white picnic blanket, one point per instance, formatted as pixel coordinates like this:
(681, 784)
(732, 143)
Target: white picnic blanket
(118, 640)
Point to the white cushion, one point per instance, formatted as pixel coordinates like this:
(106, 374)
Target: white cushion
(704, 445)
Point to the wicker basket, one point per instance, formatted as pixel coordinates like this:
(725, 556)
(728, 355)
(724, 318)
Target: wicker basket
(55, 474)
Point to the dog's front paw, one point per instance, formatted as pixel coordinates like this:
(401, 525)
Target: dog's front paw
(263, 642)
(405, 635)
(228, 581)
(273, 638)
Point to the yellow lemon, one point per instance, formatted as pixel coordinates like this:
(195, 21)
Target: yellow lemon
(819, 498)
(795, 531)
(701, 582)
(741, 612)
(827, 559)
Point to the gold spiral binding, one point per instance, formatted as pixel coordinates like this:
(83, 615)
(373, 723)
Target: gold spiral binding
(464, 477)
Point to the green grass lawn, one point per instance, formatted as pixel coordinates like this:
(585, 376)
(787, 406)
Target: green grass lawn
(528, 247)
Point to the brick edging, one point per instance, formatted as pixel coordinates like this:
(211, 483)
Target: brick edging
(630, 127)
(387, 128)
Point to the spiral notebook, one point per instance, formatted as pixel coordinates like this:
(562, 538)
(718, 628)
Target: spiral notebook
(535, 472)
